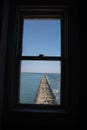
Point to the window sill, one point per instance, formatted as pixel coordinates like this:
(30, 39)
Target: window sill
(26, 110)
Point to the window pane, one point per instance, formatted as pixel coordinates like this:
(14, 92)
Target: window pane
(41, 36)
(40, 82)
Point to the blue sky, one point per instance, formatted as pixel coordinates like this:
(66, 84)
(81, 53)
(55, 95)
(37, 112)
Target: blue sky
(41, 66)
(41, 37)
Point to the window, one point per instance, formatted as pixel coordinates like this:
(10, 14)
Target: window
(41, 43)
(41, 53)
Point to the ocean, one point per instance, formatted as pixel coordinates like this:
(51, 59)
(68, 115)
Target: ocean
(29, 83)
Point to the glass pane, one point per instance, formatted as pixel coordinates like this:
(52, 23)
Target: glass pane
(40, 82)
(41, 36)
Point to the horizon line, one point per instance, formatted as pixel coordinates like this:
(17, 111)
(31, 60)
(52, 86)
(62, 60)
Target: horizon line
(39, 72)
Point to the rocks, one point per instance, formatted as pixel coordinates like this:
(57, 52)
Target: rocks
(44, 95)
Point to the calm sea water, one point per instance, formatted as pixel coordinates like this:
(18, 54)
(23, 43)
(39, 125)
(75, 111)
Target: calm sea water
(29, 83)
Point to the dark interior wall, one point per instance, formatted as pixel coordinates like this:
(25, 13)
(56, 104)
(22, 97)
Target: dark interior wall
(4, 12)
(42, 119)
(1, 16)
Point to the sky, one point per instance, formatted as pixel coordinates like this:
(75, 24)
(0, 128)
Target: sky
(41, 36)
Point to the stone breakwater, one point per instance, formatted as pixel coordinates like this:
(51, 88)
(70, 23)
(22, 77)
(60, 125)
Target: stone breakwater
(44, 95)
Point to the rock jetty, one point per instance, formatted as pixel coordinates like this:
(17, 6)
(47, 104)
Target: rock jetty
(44, 94)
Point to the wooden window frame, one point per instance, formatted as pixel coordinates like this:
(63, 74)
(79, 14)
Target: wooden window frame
(39, 12)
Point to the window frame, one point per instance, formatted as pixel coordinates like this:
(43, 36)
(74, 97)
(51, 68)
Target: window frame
(52, 12)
